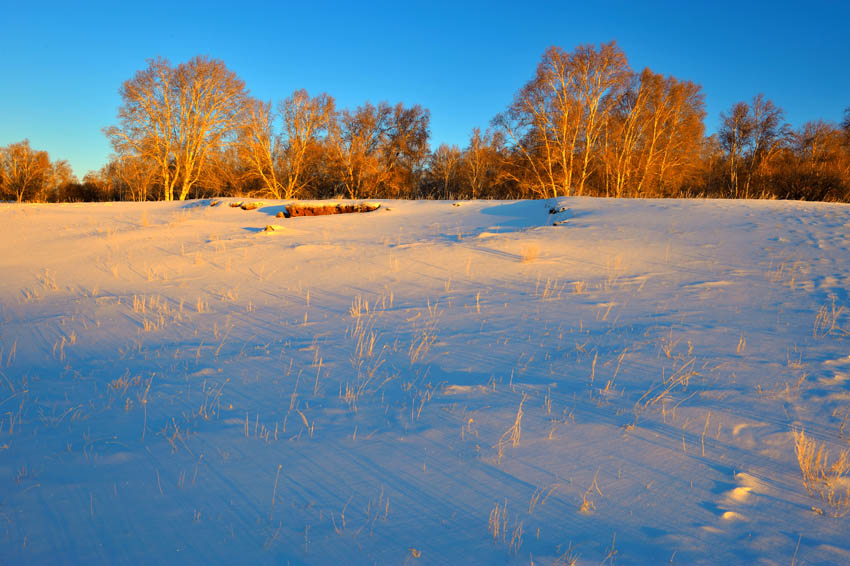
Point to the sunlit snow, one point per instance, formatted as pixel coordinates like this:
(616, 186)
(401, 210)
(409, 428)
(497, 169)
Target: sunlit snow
(490, 383)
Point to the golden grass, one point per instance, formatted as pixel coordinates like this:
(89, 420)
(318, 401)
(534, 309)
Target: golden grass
(826, 321)
(827, 480)
(513, 433)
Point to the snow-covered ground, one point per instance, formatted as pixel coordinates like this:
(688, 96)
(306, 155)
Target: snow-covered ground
(422, 384)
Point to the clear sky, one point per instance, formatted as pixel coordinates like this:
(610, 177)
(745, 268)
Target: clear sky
(62, 63)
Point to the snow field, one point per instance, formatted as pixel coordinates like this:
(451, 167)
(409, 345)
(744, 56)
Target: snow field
(425, 383)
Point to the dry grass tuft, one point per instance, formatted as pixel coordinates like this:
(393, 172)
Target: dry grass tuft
(587, 504)
(498, 521)
(828, 480)
(358, 307)
(826, 321)
(513, 434)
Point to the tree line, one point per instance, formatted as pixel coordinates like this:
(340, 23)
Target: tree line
(584, 124)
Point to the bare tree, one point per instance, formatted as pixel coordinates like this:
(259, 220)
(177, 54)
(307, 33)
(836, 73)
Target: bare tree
(356, 141)
(305, 120)
(127, 177)
(543, 126)
(600, 76)
(443, 168)
(175, 117)
(404, 149)
(557, 118)
(813, 144)
(624, 133)
(675, 112)
(60, 176)
(770, 132)
(481, 163)
(137, 175)
(259, 146)
(147, 122)
(226, 174)
(735, 133)
(211, 98)
(25, 173)
(815, 165)
(751, 135)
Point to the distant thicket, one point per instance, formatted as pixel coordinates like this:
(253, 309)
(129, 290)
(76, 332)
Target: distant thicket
(585, 124)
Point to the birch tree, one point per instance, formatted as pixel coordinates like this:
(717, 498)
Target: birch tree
(481, 166)
(672, 132)
(147, 122)
(24, 172)
(175, 117)
(600, 76)
(751, 135)
(356, 140)
(624, 132)
(305, 120)
(770, 132)
(259, 146)
(736, 129)
(404, 149)
(557, 118)
(443, 168)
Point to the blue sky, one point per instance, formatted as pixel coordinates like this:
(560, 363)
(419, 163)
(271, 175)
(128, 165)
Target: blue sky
(62, 63)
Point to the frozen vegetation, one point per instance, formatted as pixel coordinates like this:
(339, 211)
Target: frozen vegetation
(618, 382)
